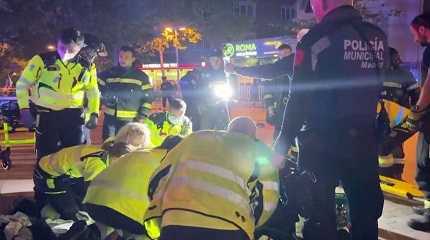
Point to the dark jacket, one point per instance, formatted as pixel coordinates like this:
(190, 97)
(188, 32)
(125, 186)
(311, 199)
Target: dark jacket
(126, 92)
(425, 65)
(338, 76)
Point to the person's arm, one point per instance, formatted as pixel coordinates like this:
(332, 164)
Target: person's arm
(187, 127)
(297, 102)
(147, 98)
(424, 99)
(259, 71)
(28, 78)
(93, 93)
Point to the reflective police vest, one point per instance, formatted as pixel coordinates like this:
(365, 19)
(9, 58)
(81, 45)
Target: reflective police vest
(85, 161)
(57, 85)
(208, 174)
(123, 187)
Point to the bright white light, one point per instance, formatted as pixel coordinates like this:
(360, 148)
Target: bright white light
(223, 91)
(50, 47)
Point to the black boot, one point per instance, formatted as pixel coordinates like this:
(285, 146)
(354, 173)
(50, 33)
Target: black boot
(421, 223)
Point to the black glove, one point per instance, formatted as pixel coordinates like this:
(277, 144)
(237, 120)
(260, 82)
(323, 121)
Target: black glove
(92, 122)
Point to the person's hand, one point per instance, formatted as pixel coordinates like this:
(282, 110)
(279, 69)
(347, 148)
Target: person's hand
(92, 122)
(26, 118)
(413, 121)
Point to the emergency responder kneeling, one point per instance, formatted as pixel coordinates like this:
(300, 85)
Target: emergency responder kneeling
(61, 178)
(127, 93)
(173, 122)
(117, 199)
(206, 187)
(58, 82)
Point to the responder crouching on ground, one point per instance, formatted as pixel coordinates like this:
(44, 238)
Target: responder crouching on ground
(206, 186)
(117, 199)
(173, 122)
(58, 81)
(127, 93)
(61, 178)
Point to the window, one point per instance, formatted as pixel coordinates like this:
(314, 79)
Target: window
(250, 11)
(288, 13)
(244, 8)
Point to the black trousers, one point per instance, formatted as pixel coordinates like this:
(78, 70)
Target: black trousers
(349, 157)
(66, 199)
(57, 129)
(112, 218)
(111, 126)
(423, 165)
(196, 233)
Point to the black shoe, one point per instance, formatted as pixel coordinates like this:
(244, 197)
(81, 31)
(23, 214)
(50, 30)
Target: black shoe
(420, 210)
(421, 224)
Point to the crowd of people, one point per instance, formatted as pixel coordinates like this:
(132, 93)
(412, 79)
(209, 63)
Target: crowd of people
(191, 172)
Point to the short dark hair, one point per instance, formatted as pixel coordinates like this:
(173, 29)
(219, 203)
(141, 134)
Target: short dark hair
(177, 103)
(70, 35)
(128, 49)
(393, 51)
(285, 46)
(422, 20)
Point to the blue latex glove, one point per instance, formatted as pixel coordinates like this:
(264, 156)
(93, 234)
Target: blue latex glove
(26, 118)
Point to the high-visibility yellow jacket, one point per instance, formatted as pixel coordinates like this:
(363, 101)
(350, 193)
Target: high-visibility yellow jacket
(161, 127)
(85, 161)
(123, 187)
(205, 181)
(395, 112)
(57, 85)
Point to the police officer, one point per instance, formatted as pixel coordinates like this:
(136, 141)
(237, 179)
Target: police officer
(127, 93)
(58, 82)
(203, 188)
(335, 90)
(276, 88)
(206, 110)
(420, 28)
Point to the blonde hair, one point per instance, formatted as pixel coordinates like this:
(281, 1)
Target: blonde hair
(130, 137)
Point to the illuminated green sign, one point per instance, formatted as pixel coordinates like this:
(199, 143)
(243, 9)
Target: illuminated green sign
(240, 49)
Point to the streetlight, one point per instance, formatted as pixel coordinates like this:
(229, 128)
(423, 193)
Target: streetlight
(50, 47)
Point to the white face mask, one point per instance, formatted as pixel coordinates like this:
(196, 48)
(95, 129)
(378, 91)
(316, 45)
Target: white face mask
(175, 120)
(68, 56)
